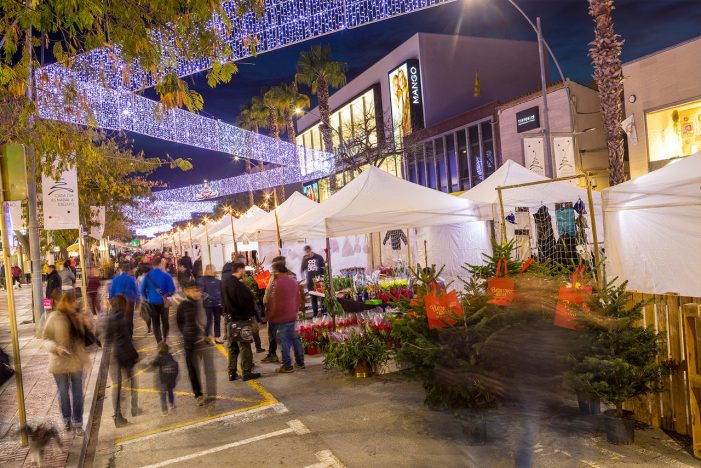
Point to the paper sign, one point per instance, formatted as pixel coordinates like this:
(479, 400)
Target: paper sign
(534, 154)
(97, 220)
(15, 208)
(60, 201)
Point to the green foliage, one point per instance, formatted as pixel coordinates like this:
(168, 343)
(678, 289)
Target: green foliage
(489, 268)
(333, 307)
(316, 69)
(369, 348)
(342, 282)
(621, 363)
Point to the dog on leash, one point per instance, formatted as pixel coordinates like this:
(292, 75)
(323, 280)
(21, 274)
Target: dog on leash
(39, 438)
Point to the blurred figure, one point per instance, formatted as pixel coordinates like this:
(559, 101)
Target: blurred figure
(16, 276)
(313, 265)
(284, 303)
(53, 283)
(67, 277)
(92, 288)
(197, 268)
(156, 290)
(272, 342)
(197, 349)
(65, 331)
(239, 309)
(211, 298)
(186, 263)
(168, 371)
(125, 285)
(144, 312)
(124, 357)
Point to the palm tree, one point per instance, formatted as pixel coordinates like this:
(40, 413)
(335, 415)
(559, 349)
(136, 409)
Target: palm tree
(272, 102)
(605, 53)
(251, 117)
(316, 70)
(292, 101)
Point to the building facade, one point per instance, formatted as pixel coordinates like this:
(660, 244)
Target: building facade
(426, 81)
(663, 106)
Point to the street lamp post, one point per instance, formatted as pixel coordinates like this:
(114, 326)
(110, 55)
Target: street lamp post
(206, 233)
(233, 233)
(277, 224)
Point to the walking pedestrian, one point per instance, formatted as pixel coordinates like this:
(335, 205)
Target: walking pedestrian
(16, 276)
(92, 288)
(65, 331)
(168, 371)
(53, 284)
(125, 285)
(144, 312)
(186, 262)
(197, 268)
(272, 342)
(124, 357)
(67, 277)
(211, 298)
(313, 266)
(197, 349)
(239, 310)
(283, 305)
(156, 290)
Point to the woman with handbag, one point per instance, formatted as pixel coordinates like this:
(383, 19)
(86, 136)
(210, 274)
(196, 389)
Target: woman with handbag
(211, 298)
(124, 357)
(65, 331)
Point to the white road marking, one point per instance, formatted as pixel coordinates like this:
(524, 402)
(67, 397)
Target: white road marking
(294, 426)
(326, 460)
(235, 418)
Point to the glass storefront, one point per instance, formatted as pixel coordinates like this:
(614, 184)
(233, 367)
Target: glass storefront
(674, 131)
(454, 161)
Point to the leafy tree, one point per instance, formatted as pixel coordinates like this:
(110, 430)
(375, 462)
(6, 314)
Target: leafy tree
(291, 102)
(316, 70)
(252, 117)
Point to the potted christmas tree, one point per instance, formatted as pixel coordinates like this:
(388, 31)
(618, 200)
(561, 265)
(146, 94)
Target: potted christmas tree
(621, 362)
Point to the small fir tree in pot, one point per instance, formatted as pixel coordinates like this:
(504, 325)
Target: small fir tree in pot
(621, 363)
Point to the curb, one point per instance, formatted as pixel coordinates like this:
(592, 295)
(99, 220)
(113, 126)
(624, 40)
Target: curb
(98, 376)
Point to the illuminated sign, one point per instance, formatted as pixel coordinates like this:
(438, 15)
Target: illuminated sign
(311, 191)
(528, 119)
(406, 98)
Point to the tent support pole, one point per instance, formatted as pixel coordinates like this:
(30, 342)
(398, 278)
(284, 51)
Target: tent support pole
(328, 265)
(595, 236)
(379, 239)
(425, 252)
(408, 247)
(209, 249)
(83, 268)
(503, 216)
(277, 224)
(372, 251)
(233, 234)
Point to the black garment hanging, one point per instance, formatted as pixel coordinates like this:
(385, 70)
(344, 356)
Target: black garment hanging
(544, 233)
(396, 236)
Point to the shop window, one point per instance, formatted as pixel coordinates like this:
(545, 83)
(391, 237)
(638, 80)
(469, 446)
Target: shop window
(430, 166)
(452, 163)
(440, 162)
(411, 167)
(488, 149)
(674, 132)
(476, 166)
(463, 163)
(420, 167)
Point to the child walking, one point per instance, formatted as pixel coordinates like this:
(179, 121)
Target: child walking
(168, 370)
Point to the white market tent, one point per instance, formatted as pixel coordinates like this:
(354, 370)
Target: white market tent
(653, 229)
(263, 228)
(378, 201)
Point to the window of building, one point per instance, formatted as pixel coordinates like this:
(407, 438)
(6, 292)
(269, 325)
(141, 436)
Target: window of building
(476, 166)
(430, 166)
(440, 162)
(488, 149)
(674, 131)
(453, 180)
(421, 166)
(463, 161)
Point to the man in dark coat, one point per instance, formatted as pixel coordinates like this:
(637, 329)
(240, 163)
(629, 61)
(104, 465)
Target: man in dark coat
(239, 310)
(53, 283)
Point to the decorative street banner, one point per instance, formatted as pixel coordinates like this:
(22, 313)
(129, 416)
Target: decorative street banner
(534, 154)
(97, 221)
(60, 199)
(565, 164)
(15, 208)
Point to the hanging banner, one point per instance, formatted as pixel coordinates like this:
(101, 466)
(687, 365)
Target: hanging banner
(60, 200)
(534, 154)
(15, 208)
(565, 164)
(628, 126)
(97, 222)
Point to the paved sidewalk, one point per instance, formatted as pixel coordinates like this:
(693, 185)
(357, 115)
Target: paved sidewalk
(39, 389)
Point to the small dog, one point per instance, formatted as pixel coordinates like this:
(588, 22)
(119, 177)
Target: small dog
(39, 438)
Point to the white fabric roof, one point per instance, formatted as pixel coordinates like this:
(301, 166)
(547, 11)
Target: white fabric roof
(263, 228)
(378, 201)
(512, 173)
(653, 229)
(240, 225)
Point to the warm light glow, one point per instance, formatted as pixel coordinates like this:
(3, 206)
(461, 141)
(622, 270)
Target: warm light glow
(299, 111)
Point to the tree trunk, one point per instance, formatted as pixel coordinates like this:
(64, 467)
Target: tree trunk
(605, 53)
(325, 126)
(291, 134)
(273, 124)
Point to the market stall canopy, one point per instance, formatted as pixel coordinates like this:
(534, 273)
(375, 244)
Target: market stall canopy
(378, 201)
(263, 228)
(240, 225)
(653, 229)
(512, 173)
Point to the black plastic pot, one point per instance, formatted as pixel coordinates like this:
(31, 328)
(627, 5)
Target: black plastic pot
(587, 405)
(619, 430)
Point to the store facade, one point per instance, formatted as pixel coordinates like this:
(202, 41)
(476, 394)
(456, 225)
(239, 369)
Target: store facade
(663, 106)
(425, 81)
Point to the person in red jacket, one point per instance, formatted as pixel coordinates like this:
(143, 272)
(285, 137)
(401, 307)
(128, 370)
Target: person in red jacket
(283, 305)
(16, 275)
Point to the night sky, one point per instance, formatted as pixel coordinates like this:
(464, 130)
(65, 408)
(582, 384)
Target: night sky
(645, 25)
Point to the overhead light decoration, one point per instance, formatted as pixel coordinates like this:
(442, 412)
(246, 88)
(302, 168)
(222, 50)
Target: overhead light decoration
(112, 103)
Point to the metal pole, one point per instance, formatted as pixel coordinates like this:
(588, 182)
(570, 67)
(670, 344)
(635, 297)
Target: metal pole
(597, 260)
(13, 320)
(546, 120)
(209, 249)
(83, 271)
(189, 226)
(180, 243)
(328, 266)
(426, 252)
(503, 216)
(372, 251)
(277, 224)
(408, 247)
(233, 234)
(379, 239)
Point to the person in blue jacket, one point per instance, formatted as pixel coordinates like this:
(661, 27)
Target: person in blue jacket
(124, 284)
(156, 289)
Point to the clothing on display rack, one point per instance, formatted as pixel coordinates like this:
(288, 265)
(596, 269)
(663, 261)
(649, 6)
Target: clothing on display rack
(564, 217)
(522, 244)
(396, 237)
(544, 233)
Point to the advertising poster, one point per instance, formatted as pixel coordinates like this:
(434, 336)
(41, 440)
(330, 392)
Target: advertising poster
(534, 154)
(97, 221)
(15, 208)
(311, 191)
(406, 98)
(60, 201)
